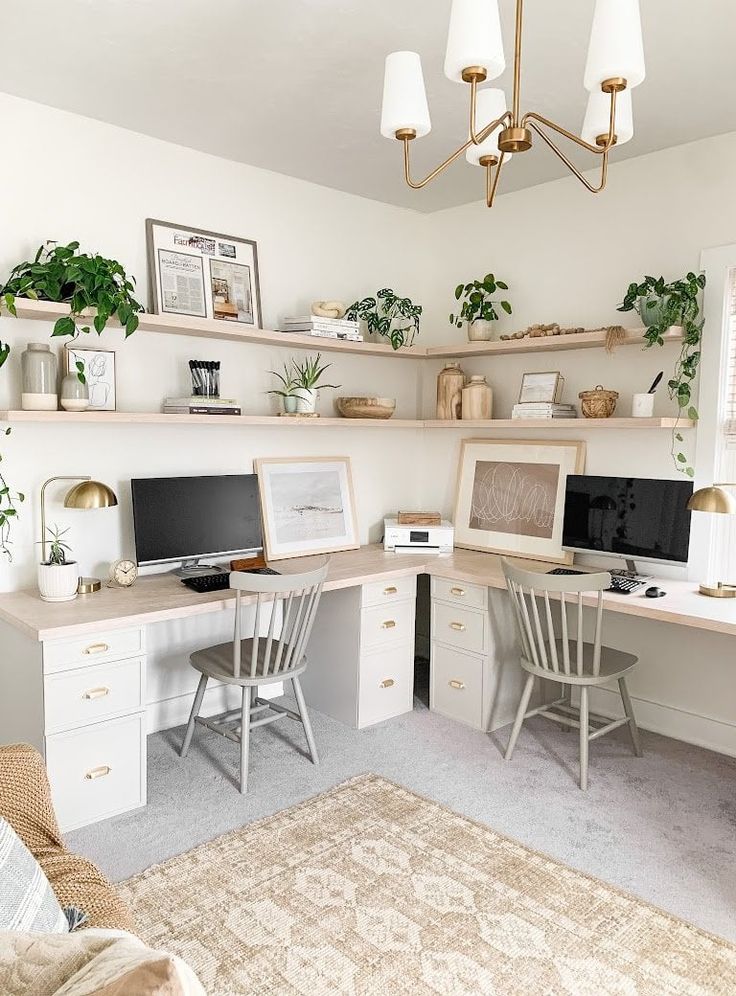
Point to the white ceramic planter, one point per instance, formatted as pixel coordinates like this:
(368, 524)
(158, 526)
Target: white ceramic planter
(306, 400)
(480, 330)
(58, 582)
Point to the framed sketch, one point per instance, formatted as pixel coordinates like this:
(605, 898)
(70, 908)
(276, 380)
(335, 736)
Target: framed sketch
(98, 367)
(511, 496)
(541, 387)
(202, 274)
(307, 506)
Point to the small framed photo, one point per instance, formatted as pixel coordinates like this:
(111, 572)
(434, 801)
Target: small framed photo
(541, 387)
(203, 274)
(307, 506)
(98, 367)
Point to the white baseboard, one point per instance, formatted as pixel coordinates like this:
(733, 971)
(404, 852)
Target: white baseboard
(218, 698)
(692, 728)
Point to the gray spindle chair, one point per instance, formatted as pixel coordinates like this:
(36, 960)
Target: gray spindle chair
(261, 660)
(559, 654)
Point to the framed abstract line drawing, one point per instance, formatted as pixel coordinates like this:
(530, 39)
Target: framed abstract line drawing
(307, 506)
(511, 496)
(203, 274)
(98, 368)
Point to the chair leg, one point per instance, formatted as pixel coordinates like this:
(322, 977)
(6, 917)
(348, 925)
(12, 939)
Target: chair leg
(302, 706)
(584, 734)
(196, 705)
(525, 696)
(567, 696)
(244, 737)
(629, 710)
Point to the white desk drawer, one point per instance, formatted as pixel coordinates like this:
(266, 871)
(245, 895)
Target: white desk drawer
(386, 685)
(387, 625)
(386, 592)
(90, 694)
(94, 648)
(459, 592)
(457, 685)
(459, 627)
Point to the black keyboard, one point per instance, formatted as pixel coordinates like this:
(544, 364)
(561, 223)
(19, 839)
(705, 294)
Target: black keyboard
(621, 584)
(218, 582)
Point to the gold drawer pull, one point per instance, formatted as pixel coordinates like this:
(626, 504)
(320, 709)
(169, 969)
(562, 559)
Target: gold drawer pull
(96, 693)
(96, 648)
(387, 683)
(389, 624)
(456, 684)
(104, 769)
(391, 590)
(460, 627)
(457, 591)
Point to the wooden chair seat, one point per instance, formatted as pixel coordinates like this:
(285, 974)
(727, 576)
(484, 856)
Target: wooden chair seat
(217, 662)
(612, 664)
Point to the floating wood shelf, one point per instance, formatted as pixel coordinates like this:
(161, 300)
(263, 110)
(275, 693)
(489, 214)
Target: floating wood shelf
(158, 418)
(208, 328)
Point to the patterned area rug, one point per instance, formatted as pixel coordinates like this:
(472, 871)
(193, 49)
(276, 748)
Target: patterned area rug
(370, 889)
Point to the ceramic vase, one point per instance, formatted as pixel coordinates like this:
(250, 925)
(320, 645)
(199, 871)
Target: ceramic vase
(38, 371)
(480, 330)
(58, 582)
(450, 383)
(74, 394)
(477, 400)
(306, 400)
(289, 403)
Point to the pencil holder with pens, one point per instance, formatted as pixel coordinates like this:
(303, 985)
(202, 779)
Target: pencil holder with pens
(205, 378)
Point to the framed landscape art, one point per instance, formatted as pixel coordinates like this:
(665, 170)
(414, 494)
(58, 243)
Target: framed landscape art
(307, 506)
(511, 496)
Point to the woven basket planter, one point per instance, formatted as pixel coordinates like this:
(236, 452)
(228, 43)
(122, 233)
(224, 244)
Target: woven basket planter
(598, 403)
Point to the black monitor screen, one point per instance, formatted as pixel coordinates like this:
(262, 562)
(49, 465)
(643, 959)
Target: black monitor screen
(178, 518)
(628, 517)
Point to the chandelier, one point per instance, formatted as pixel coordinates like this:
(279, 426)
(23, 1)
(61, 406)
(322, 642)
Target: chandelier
(474, 54)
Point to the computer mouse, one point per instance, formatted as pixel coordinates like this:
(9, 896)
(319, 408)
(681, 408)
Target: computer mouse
(655, 592)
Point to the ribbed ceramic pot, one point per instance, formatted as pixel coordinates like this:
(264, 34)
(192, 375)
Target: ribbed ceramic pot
(38, 372)
(58, 582)
(480, 330)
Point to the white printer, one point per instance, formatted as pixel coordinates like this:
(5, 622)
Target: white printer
(417, 539)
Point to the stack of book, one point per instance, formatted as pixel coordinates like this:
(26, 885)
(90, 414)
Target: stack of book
(195, 405)
(326, 328)
(543, 409)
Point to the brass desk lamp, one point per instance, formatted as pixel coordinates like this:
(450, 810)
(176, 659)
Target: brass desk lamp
(85, 494)
(714, 499)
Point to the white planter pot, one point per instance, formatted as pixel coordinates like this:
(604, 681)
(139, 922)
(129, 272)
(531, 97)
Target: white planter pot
(480, 330)
(306, 400)
(58, 582)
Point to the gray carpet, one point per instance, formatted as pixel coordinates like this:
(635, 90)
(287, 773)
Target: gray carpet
(662, 827)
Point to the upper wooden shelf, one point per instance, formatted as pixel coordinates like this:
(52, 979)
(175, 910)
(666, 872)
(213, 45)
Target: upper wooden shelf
(208, 328)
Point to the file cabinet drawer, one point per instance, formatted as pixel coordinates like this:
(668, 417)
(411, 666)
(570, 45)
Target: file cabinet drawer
(98, 771)
(387, 592)
(458, 592)
(91, 694)
(457, 686)
(386, 685)
(459, 627)
(387, 625)
(93, 648)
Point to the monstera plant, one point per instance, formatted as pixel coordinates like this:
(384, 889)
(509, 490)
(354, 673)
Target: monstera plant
(396, 318)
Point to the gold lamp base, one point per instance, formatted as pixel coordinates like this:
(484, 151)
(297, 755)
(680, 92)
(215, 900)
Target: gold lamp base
(87, 585)
(720, 590)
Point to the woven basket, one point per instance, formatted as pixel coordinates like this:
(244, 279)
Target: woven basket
(599, 403)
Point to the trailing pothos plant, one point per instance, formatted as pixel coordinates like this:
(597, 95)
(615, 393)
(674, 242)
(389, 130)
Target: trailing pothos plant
(477, 298)
(660, 306)
(9, 498)
(396, 318)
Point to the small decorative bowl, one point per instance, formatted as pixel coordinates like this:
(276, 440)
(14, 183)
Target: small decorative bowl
(599, 403)
(366, 407)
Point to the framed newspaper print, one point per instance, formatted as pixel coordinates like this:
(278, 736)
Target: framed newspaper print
(202, 274)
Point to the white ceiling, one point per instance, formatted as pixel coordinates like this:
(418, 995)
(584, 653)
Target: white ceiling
(295, 85)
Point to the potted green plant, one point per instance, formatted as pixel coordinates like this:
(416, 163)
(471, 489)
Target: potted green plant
(308, 376)
(661, 306)
(286, 392)
(479, 309)
(388, 315)
(57, 577)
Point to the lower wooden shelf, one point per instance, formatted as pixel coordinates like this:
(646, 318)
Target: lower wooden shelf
(274, 421)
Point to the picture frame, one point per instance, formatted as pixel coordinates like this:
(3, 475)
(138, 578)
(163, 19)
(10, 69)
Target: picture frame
(99, 372)
(545, 387)
(307, 506)
(510, 496)
(201, 274)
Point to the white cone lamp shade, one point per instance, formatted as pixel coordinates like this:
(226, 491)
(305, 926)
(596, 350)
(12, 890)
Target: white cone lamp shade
(474, 39)
(404, 96)
(491, 105)
(598, 117)
(616, 48)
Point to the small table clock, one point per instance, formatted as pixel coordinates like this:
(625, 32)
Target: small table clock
(123, 572)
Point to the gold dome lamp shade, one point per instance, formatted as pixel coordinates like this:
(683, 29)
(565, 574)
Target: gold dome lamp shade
(717, 501)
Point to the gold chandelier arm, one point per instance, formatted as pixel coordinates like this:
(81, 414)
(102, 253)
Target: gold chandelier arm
(492, 178)
(573, 169)
(516, 97)
(481, 137)
(597, 149)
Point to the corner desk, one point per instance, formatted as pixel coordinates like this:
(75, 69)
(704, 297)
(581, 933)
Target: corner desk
(73, 674)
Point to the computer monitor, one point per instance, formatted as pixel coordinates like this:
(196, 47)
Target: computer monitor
(182, 519)
(629, 517)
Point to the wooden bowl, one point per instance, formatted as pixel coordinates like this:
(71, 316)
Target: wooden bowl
(366, 407)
